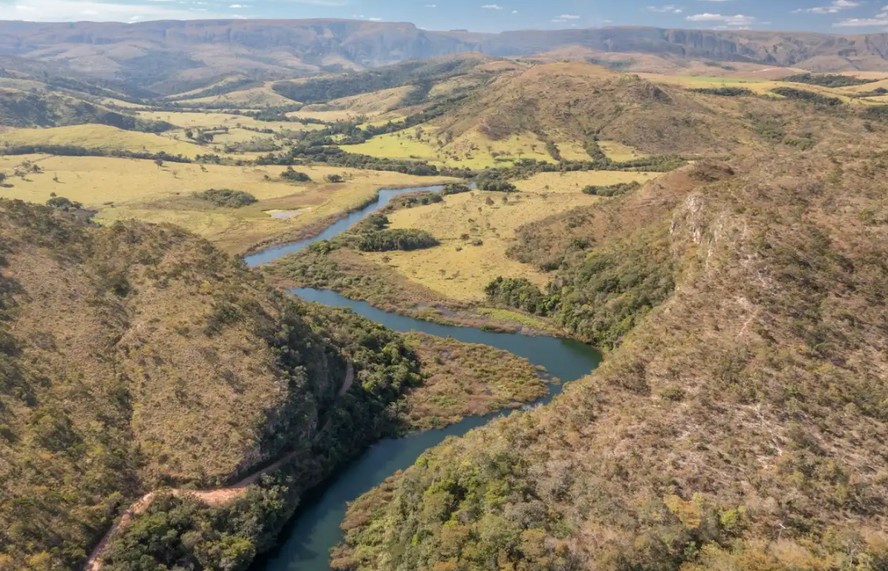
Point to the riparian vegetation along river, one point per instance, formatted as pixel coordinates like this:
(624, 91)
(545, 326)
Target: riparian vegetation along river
(307, 540)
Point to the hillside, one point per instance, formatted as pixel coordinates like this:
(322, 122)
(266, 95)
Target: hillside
(135, 357)
(172, 57)
(40, 109)
(736, 425)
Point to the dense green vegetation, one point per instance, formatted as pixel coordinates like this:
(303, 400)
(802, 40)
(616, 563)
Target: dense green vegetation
(397, 239)
(227, 198)
(725, 91)
(827, 79)
(807, 96)
(598, 296)
(295, 176)
(611, 189)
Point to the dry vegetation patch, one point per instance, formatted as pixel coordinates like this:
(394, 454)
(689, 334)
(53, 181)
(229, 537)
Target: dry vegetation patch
(463, 379)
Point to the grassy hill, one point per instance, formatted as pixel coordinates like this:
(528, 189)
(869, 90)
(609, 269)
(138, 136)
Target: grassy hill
(99, 137)
(738, 421)
(137, 356)
(30, 109)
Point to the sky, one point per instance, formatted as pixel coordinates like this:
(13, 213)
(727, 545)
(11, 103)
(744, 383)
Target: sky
(832, 16)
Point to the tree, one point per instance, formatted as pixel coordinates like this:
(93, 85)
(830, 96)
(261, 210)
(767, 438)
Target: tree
(334, 178)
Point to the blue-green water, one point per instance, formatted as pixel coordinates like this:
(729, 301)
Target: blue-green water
(308, 538)
(385, 196)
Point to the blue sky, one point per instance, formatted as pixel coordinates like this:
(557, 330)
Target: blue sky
(837, 16)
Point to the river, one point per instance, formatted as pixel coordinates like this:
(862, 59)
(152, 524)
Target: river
(308, 538)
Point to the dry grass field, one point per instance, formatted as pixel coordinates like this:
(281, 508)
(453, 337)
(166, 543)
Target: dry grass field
(102, 137)
(120, 189)
(574, 182)
(476, 229)
(472, 150)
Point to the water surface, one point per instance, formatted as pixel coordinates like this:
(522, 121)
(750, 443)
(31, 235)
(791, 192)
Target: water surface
(314, 530)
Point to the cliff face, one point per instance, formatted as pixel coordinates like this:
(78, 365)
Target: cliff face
(170, 55)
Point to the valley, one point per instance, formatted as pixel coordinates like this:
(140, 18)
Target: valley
(588, 299)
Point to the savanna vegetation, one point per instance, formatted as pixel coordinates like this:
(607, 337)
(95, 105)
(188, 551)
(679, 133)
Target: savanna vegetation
(724, 431)
(227, 198)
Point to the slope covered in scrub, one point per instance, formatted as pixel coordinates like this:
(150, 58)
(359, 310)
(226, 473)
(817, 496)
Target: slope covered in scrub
(739, 423)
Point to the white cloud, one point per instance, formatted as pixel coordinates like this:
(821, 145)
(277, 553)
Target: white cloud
(568, 17)
(492, 7)
(97, 11)
(879, 20)
(834, 7)
(730, 21)
(667, 9)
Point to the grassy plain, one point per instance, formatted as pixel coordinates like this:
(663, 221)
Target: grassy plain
(573, 182)
(121, 189)
(473, 150)
(477, 228)
(103, 137)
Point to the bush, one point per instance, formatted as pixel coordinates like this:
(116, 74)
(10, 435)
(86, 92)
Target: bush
(455, 188)
(724, 91)
(334, 178)
(809, 96)
(611, 190)
(399, 239)
(295, 176)
(827, 80)
(493, 183)
(227, 198)
(520, 293)
(62, 203)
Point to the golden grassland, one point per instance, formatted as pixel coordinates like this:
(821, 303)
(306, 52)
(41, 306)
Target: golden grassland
(262, 96)
(472, 150)
(210, 120)
(764, 87)
(574, 182)
(121, 189)
(103, 137)
(475, 230)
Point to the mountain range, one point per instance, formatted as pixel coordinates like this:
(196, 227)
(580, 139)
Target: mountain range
(168, 56)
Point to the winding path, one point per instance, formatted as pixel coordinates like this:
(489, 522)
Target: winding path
(214, 497)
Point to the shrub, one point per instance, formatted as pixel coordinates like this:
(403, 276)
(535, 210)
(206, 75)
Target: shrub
(611, 190)
(227, 198)
(62, 203)
(334, 178)
(455, 188)
(724, 91)
(809, 96)
(399, 239)
(296, 176)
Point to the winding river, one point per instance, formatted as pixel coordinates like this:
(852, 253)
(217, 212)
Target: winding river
(308, 538)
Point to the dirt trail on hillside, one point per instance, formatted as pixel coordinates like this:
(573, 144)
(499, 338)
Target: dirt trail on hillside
(214, 497)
